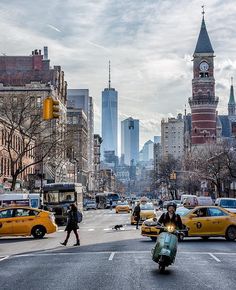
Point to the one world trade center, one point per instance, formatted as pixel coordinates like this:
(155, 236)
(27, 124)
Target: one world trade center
(109, 118)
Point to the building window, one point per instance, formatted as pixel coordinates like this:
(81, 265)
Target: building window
(38, 102)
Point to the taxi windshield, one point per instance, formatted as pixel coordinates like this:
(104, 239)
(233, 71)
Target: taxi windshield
(228, 203)
(182, 211)
(147, 206)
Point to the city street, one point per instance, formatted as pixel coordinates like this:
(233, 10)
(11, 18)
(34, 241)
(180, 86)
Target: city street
(109, 259)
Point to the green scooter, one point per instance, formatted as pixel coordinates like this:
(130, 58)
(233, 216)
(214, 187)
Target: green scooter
(165, 249)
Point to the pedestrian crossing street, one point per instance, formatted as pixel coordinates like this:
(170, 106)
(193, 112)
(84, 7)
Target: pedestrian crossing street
(111, 218)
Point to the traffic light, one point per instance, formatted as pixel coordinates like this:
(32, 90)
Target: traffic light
(173, 175)
(50, 109)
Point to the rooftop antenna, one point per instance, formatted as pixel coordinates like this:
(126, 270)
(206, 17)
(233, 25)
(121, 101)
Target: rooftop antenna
(109, 82)
(232, 80)
(203, 11)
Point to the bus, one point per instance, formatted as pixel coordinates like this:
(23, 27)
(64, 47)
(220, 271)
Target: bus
(23, 199)
(103, 199)
(57, 197)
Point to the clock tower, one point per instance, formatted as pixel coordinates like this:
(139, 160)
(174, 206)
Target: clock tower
(203, 102)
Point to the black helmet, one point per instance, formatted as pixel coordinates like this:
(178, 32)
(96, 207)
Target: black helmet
(171, 203)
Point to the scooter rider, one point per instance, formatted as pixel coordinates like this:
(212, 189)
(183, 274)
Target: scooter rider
(170, 217)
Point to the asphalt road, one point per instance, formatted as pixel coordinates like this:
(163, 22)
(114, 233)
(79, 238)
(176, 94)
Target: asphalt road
(109, 260)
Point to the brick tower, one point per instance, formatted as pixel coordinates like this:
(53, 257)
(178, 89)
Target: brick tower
(203, 102)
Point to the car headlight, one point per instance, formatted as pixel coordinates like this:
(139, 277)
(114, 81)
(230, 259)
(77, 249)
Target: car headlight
(170, 228)
(150, 223)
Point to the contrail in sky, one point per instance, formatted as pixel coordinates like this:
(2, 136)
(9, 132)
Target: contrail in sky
(97, 45)
(53, 27)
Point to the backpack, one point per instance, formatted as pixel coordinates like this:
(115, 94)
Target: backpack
(79, 216)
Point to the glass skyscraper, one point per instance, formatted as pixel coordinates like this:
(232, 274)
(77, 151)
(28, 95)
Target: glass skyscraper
(109, 119)
(130, 140)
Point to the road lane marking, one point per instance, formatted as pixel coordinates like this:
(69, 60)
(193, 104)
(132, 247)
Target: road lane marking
(214, 257)
(111, 256)
(90, 230)
(54, 252)
(4, 258)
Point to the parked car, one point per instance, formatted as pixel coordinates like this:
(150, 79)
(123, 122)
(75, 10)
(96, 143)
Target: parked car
(26, 221)
(90, 204)
(227, 203)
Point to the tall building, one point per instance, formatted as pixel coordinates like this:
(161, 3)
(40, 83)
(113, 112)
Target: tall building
(130, 140)
(97, 161)
(203, 102)
(78, 146)
(172, 137)
(157, 139)
(109, 118)
(79, 98)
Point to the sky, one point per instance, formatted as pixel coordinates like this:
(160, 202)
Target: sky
(150, 44)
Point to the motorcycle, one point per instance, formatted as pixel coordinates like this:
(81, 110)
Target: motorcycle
(165, 250)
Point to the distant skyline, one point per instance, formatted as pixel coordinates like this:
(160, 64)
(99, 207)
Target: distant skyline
(150, 44)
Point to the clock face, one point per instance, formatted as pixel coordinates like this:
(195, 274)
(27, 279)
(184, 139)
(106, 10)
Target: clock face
(204, 66)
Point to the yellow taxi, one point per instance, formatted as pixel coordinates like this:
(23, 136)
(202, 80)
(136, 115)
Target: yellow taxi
(26, 221)
(147, 211)
(202, 221)
(122, 206)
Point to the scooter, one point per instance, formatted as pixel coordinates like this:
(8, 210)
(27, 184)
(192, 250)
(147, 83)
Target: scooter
(165, 250)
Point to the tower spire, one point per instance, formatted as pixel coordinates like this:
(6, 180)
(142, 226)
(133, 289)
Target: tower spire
(231, 103)
(231, 96)
(203, 42)
(109, 82)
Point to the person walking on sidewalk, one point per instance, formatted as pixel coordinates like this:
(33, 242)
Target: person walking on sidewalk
(136, 214)
(111, 204)
(72, 224)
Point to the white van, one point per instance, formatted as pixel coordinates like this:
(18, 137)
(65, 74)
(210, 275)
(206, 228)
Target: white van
(23, 199)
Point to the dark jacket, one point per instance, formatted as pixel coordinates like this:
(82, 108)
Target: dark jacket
(137, 211)
(176, 220)
(72, 220)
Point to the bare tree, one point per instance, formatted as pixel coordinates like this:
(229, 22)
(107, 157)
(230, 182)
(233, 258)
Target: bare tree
(167, 166)
(210, 164)
(27, 138)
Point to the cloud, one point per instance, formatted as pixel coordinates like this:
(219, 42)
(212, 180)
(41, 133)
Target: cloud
(150, 44)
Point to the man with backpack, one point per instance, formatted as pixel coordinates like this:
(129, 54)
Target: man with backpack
(74, 216)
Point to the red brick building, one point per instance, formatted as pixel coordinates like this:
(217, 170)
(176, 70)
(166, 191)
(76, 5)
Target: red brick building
(203, 102)
(33, 77)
